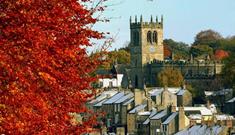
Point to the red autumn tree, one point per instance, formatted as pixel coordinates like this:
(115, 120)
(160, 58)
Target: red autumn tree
(167, 51)
(45, 72)
(221, 54)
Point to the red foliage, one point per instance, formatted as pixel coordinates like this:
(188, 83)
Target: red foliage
(221, 54)
(167, 51)
(45, 72)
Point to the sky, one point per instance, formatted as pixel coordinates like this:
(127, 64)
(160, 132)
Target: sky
(183, 19)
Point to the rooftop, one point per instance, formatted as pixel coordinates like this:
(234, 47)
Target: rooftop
(170, 118)
(203, 110)
(224, 117)
(158, 90)
(159, 115)
(201, 130)
(129, 101)
(114, 98)
(144, 113)
(153, 112)
(124, 98)
(231, 100)
(181, 92)
(103, 95)
(138, 108)
(99, 104)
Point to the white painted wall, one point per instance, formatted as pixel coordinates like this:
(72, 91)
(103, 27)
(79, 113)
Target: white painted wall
(115, 82)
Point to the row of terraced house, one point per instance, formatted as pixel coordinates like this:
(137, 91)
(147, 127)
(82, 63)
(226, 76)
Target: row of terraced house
(156, 111)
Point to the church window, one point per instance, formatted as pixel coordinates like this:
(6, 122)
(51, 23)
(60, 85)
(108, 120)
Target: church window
(136, 38)
(155, 36)
(149, 37)
(136, 81)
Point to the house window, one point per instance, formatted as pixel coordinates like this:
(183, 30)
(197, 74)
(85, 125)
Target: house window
(110, 84)
(118, 107)
(164, 128)
(116, 118)
(149, 37)
(139, 125)
(155, 36)
(115, 108)
(101, 84)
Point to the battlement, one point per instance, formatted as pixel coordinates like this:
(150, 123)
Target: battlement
(142, 24)
(156, 62)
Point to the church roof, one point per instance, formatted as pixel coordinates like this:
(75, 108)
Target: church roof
(119, 68)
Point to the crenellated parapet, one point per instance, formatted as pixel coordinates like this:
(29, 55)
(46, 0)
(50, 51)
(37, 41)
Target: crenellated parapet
(179, 62)
(141, 24)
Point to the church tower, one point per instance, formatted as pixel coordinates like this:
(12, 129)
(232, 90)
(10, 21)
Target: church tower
(146, 45)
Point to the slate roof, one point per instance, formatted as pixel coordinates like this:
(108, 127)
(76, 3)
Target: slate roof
(114, 98)
(124, 98)
(103, 95)
(99, 104)
(138, 108)
(144, 113)
(159, 90)
(118, 68)
(170, 118)
(129, 101)
(159, 115)
(153, 112)
(203, 110)
(231, 100)
(201, 130)
(181, 92)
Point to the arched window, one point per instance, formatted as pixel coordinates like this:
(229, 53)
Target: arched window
(155, 36)
(135, 38)
(149, 37)
(136, 81)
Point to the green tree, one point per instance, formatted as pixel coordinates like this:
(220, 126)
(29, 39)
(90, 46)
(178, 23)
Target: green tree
(227, 43)
(229, 71)
(179, 49)
(198, 94)
(170, 77)
(200, 50)
(208, 37)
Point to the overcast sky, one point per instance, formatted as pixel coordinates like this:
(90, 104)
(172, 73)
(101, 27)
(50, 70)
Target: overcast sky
(183, 19)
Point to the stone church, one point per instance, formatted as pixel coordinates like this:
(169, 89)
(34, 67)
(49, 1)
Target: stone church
(147, 57)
